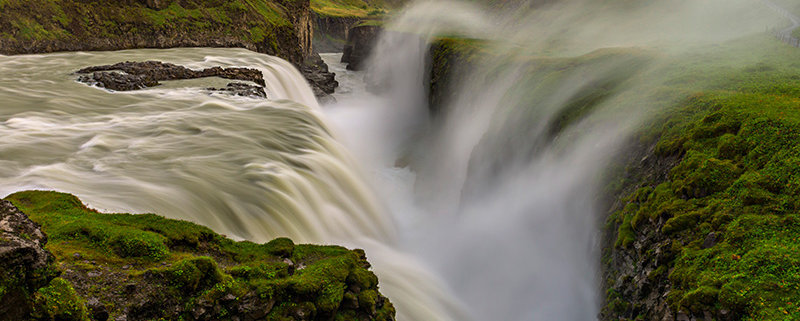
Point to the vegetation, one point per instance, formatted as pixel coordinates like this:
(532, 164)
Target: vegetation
(181, 267)
(349, 8)
(719, 227)
(730, 203)
(263, 25)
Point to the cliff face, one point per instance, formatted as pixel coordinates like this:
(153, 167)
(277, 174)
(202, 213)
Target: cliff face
(330, 33)
(145, 267)
(703, 208)
(281, 27)
(361, 40)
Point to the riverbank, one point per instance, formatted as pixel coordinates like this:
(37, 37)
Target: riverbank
(702, 207)
(98, 266)
(280, 28)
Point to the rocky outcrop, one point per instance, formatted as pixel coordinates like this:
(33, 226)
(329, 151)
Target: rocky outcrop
(282, 27)
(360, 42)
(145, 267)
(322, 81)
(24, 262)
(126, 76)
(637, 276)
(241, 89)
(330, 33)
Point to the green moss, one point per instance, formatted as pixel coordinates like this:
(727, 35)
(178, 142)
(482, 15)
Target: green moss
(59, 301)
(346, 8)
(734, 133)
(187, 263)
(85, 22)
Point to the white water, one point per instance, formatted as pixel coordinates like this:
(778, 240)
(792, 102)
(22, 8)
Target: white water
(478, 217)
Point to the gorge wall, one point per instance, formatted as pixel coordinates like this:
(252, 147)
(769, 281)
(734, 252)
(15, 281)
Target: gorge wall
(699, 209)
(280, 28)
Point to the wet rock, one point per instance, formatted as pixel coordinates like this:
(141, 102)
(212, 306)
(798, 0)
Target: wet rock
(118, 81)
(128, 75)
(241, 89)
(22, 258)
(360, 42)
(322, 81)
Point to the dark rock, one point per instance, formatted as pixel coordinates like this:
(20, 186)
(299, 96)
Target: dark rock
(710, 240)
(97, 310)
(360, 42)
(154, 71)
(157, 4)
(241, 89)
(126, 76)
(322, 81)
(22, 260)
(117, 81)
(330, 33)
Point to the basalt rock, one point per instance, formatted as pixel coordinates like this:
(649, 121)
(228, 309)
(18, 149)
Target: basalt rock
(24, 263)
(241, 89)
(330, 33)
(126, 76)
(360, 42)
(159, 71)
(322, 81)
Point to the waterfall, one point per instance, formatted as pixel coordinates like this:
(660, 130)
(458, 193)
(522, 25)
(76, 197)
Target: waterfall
(487, 212)
(498, 193)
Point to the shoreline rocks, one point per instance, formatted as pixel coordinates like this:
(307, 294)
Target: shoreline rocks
(127, 76)
(360, 42)
(146, 267)
(24, 262)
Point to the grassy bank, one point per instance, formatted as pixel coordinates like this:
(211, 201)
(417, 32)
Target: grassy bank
(706, 197)
(365, 9)
(728, 209)
(149, 267)
(29, 26)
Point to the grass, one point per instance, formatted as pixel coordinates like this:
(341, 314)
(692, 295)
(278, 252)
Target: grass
(82, 22)
(182, 264)
(738, 177)
(726, 121)
(347, 8)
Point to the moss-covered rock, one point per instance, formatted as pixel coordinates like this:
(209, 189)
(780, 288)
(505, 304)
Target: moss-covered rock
(706, 221)
(277, 27)
(146, 267)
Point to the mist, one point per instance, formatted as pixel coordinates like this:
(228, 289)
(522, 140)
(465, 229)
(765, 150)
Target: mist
(497, 193)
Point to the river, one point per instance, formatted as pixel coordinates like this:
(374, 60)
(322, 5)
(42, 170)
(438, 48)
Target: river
(487, 213)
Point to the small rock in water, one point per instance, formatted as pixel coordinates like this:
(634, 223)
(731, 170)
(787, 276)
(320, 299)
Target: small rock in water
(241, 89)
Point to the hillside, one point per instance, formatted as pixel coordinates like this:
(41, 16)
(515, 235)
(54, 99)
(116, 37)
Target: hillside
(145, 267)
(281, 28)
(703, 200)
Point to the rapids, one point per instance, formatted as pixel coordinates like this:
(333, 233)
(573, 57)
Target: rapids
(478, 215)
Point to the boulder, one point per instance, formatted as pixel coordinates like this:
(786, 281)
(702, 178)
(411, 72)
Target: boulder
(25, 265)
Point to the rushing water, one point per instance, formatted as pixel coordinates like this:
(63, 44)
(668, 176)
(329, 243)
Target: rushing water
(481, 214)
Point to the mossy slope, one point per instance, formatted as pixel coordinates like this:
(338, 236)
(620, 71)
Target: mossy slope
(705, 199)
(716, 233)
(147, 267)
(267, 26)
